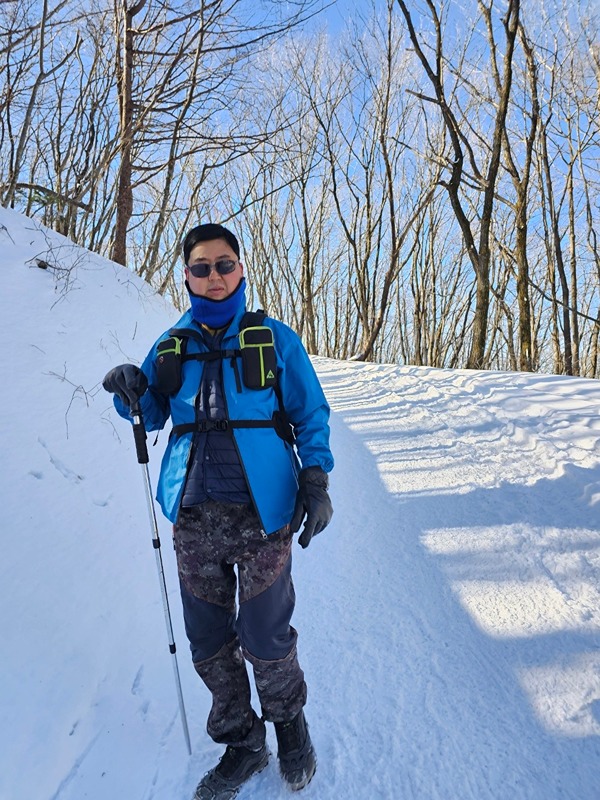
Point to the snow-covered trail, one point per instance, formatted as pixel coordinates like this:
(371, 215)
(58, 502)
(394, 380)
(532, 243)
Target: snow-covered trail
(457, 592)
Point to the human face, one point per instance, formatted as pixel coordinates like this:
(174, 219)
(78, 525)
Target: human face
(215, 286)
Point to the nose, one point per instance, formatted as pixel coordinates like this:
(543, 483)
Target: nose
(213, 274)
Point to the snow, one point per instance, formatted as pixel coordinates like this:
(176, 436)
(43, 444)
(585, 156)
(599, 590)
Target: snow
(449, 617)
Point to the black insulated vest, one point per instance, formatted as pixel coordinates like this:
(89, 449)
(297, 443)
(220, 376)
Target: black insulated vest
(215, 471)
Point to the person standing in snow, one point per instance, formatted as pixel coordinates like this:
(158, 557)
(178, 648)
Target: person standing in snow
(237, 484)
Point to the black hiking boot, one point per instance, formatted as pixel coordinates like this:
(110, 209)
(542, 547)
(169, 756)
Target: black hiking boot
(237, 764)
(297, 760)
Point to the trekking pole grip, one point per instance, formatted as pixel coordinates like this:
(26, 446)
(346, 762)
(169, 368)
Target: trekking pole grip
(139, 434)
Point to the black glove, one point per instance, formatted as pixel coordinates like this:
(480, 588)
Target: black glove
(127, 381)
(312, 499)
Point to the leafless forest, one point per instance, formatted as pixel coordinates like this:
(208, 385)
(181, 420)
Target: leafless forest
(420, 187)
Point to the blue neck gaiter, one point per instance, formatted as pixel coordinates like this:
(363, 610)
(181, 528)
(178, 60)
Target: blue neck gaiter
(217, 313)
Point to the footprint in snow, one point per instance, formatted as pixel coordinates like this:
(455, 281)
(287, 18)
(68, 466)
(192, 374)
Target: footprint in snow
(67, 473)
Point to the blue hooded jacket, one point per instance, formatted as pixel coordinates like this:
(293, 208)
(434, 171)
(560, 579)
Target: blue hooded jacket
(271, 465)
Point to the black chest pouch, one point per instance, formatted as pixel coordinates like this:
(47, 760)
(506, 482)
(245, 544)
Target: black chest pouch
(259, 359)
(257, 352)
(168, 365)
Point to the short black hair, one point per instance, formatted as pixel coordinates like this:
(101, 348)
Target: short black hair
(206, 233)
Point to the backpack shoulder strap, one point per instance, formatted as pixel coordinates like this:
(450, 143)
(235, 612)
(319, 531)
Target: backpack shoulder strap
(186, 333)
(252, 319)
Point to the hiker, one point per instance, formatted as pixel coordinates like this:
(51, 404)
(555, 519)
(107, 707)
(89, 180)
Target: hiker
(246, 463)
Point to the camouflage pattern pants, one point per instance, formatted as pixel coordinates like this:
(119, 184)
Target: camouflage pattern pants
(212, 541)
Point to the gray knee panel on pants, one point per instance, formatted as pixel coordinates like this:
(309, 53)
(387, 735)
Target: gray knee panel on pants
(207, 625)
(263, 624)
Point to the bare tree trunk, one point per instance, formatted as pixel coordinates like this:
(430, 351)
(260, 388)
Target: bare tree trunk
(593, 369)
(124, 205)
(521, 183)
(558, 261)
(575, 339)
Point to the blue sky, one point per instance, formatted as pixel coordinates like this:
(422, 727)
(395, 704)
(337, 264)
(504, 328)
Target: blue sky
(341, 10)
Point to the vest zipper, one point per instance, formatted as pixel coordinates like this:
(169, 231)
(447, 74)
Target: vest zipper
(237, 449)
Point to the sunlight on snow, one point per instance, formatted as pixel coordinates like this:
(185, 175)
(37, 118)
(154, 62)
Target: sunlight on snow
(566, 696)
(515, 583)
(514, 609)
(550, 595)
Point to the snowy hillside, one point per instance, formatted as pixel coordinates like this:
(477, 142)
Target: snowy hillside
(449, 617)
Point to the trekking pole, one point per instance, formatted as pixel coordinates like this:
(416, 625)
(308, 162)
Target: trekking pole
(139, 434)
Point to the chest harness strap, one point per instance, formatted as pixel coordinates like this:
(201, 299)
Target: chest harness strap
(259, 363)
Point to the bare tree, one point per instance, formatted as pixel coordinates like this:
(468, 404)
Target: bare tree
(479, 253)
(179, 81)
(18, 143)
(363, 127)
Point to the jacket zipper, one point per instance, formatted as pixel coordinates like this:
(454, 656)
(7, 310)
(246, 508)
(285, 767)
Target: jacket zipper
(193, 439)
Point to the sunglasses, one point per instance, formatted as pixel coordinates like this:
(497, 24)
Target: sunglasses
(203, 269)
